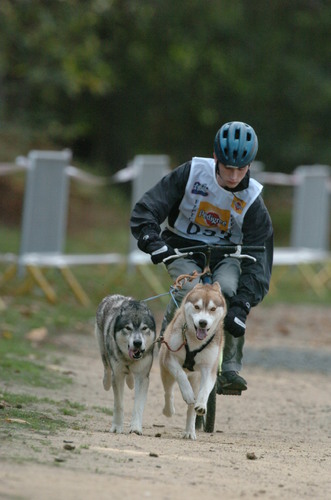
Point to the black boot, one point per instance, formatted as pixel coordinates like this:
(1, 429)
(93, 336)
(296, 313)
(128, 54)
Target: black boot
(230, 383)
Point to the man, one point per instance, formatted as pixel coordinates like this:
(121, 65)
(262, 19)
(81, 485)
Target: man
(213, 200)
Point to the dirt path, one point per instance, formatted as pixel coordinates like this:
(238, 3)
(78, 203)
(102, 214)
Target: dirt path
(282, 422)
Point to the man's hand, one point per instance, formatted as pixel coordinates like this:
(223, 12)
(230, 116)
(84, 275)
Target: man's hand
(152, 243)
(158, 255)
(234, 321)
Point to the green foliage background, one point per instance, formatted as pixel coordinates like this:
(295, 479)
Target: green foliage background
(114, 78)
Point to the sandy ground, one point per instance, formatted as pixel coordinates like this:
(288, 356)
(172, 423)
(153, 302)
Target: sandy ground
(273, 442)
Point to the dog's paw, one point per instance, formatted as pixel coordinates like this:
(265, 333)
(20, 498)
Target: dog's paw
(169, 408)
(200, 410)
(116, 429)
(189, 398)
(187, 393)
(135, 430)
(168, 411)
(190, 435)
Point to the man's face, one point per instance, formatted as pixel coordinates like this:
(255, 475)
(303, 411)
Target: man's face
(229, 176)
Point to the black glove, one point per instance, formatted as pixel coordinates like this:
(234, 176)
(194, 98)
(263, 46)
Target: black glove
(234, 321)
(158, 255)
(154, 245)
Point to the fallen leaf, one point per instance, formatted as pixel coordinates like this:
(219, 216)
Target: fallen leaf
(16, 421)
(37, 334)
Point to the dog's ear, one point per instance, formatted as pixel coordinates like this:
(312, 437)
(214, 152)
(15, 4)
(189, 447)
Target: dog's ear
(124, 307)
(217, 286)
(152, 326)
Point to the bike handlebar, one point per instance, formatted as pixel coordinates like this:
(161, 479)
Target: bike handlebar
(234, 251)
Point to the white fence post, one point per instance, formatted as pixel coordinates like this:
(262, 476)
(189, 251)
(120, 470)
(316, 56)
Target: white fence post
(45, 205)
(311, 208)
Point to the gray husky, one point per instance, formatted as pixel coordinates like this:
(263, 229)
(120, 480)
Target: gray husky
(125, 329)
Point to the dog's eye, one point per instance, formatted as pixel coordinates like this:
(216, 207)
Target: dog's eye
(144, 328)
(128, 328)
(213, 309)
(197, 308)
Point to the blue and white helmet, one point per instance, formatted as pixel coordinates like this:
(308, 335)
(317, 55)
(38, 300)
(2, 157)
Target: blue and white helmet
(236, 144)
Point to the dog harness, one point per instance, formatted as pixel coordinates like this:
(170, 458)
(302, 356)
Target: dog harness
(190, 355)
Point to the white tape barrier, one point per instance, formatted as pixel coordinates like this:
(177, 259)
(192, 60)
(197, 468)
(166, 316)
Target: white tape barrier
(287, 256)
(126, 174)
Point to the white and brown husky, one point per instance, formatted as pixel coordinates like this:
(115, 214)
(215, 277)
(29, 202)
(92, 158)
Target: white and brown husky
(190, 351)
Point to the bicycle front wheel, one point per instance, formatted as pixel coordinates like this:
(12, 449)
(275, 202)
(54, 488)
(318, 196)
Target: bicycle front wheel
(209, 417)
(207, 421)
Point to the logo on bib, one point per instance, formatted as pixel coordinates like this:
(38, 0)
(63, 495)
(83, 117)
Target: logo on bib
(210, 216)
(201, 189)
(238, 205)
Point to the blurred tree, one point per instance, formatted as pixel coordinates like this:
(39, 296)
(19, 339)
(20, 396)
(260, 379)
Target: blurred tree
(114, 78)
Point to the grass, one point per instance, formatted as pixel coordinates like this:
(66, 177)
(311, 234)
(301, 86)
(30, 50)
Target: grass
(42, 414)
(23, 363)
(38, 414)
(288, 285)
(19, 370)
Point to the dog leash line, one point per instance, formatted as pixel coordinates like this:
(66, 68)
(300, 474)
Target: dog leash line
(161, 339)
(155, 297)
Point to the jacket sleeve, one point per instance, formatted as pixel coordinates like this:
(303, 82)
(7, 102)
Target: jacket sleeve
(255, 276)
(159, 202)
